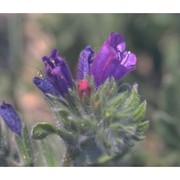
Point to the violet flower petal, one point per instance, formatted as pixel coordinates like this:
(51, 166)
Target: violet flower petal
(114, 40)
(101, 60)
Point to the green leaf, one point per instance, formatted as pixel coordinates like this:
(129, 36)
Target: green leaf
(133, 99)
(41, 130)
(140, 112)
(144, 126)
(116, 101)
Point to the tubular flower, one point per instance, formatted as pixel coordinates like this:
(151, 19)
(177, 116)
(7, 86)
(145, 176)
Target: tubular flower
(57, 72)
(11, 118)
(85, 60)
(112, 60)
(45, 86)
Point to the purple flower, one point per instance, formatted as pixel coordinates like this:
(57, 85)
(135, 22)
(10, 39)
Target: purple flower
(85, 60)
(11, 118)
(57, 72)
(45, 86)
(112, 60)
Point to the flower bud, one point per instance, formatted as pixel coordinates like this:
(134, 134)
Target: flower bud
(85, 60)
(11, 118)
(45, 86)
(84, 87)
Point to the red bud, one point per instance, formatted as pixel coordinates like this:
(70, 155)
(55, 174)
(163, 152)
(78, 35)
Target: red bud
(84, 87)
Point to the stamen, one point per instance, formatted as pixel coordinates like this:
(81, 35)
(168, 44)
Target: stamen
(53, 62)
(40, 74)
(126, 58)
(119, 55)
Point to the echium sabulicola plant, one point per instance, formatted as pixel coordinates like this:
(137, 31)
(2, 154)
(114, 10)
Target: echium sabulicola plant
(97, 117)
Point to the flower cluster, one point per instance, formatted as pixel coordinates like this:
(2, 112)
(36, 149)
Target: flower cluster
(96, 116)
(112, 60)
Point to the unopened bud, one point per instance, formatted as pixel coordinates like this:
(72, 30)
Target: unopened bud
(84, 87)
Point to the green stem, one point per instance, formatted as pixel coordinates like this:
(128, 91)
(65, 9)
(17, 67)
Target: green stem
(69, 157)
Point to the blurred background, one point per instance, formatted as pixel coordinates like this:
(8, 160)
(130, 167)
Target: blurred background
(154, 38)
